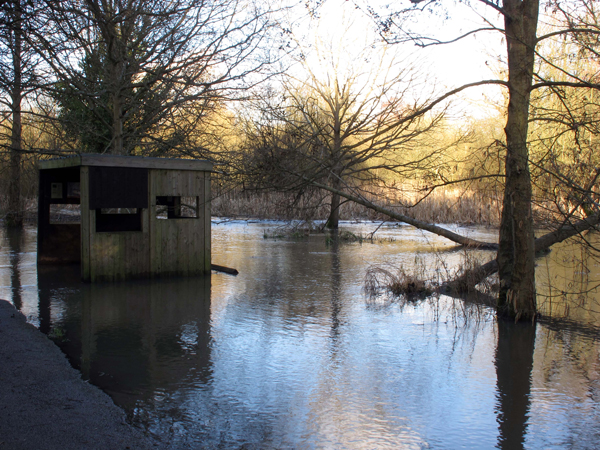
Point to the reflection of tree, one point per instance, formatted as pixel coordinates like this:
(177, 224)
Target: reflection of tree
(568, 282)
(514, 363)
(53, 281)
(336, 281)
(15, 239)
(135, 340)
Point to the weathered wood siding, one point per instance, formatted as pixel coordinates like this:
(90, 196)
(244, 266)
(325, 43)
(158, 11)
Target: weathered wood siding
(111, 255)
(164, 247)
(205, 204)
(119, 255)
(84, 189)
(180, 246)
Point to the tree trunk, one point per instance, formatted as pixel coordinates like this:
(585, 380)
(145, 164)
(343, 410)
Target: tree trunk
(117, 108)
(516, 252)
(117, 55)
(14, 217)
(117, 137)
(333, 222)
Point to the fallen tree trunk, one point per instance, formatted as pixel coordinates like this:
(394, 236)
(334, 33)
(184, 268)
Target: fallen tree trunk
(454, 237)
(469, 279)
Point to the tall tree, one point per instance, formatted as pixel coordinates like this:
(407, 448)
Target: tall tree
(516, 251)
(17, 80)
(516, 256)
(351, 125)
(131, 68)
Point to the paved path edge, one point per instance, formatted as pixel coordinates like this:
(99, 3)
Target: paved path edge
(45, 404)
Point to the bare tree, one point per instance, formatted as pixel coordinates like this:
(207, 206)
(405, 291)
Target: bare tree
(516, 255)
(349, 125)
(129, 73)
(17, 81)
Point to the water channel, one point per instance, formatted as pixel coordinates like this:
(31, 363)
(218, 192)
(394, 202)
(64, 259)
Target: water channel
(293, 354)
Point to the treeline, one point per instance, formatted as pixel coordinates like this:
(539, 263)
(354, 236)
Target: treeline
(123, 77)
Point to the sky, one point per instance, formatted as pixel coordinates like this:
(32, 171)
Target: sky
(443, 66)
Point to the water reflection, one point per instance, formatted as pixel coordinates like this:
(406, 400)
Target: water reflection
(336, 280)
(289, 355)
(514, 363)
(567, 281)
(132, 339)
(14, 238)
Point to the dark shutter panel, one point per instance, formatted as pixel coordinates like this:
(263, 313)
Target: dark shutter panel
(118, 187)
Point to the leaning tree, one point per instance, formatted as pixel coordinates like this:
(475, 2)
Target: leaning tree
(517, 21)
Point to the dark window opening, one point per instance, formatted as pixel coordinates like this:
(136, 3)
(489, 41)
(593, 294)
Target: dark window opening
(176, 207)
(118, 210)
(118, 195)
(56, 191)
(60, 191)
(118, 187)
(118, 219)
(73, 190)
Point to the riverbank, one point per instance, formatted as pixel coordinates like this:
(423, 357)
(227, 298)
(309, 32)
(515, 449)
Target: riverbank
(44, 403)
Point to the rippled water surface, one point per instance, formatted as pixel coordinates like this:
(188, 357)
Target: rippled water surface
(291, 353)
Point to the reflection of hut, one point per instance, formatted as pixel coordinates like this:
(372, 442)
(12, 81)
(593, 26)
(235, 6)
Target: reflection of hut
(125, 216)
(119, 335)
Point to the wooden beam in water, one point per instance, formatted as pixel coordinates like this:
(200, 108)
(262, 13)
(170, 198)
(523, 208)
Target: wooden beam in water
(224, 269)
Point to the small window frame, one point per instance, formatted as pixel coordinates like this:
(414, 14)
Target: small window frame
(177, 207)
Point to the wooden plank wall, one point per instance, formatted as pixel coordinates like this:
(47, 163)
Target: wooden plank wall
(179, 246)
(165, 247)
(119, 255)
(86, 230)
(205, 204)
(115, 255)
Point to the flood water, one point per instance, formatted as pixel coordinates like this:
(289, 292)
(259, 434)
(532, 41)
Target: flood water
(293, 354)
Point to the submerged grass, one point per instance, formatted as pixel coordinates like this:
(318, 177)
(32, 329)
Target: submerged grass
(304, 229)
(424, 280)
(58, 334)
(292, 230)
(398, 281)
(420, 283)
